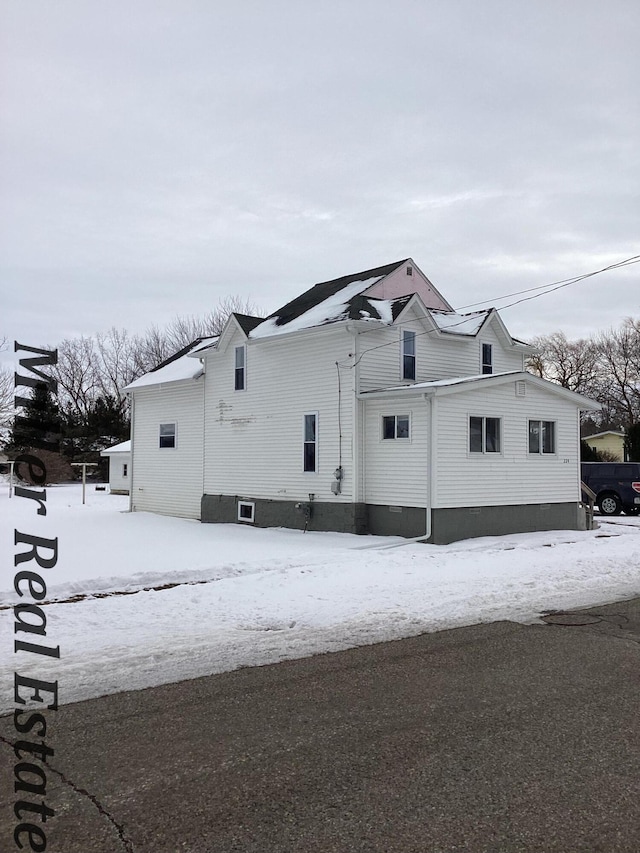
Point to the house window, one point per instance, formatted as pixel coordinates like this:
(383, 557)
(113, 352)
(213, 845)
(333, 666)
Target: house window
(246, 511)
(124, 469)
(487, 358)
(310, 444)
(484, 435)
(167, 435)
(542, 437)
(395, 426)
(240, 368)
(408, 355)
(409, 270)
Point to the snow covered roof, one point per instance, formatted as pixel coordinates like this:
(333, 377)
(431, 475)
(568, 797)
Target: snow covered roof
(176, 368)
(123, 447)
(460, 324)
(463, 383)
(328, 302)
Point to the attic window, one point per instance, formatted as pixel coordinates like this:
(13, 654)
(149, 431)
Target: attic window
(521, 388)
(409, 270)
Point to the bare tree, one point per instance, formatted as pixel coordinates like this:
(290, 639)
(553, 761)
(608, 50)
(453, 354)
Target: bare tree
(6, 397)
(572, 364)
(77, 375)
(156, 344)
(619, 357)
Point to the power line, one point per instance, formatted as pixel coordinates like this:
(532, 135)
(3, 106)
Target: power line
(547, 288)
(555, 285)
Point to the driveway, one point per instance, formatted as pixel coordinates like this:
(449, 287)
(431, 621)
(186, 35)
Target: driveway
(500, 737)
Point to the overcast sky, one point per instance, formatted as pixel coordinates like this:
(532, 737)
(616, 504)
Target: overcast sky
(158, 156)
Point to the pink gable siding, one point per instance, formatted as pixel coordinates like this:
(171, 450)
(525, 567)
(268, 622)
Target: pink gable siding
(398, 283)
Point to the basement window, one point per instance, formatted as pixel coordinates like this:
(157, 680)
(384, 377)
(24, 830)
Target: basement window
(246, 511)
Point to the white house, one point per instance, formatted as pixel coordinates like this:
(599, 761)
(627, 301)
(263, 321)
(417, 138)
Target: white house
(119, 467)
(366, 405)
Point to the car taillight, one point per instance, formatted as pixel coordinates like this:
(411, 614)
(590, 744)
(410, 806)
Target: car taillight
(635, 487)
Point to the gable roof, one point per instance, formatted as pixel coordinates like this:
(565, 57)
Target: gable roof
(247, 323)
(123, 447)
(326, 302)
(181, 365)
(461, 384)
(614, 432)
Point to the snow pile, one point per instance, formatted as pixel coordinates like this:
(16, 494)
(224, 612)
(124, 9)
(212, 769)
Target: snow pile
(239, 596)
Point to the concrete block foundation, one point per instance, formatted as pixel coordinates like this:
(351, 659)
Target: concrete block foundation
(447, 525)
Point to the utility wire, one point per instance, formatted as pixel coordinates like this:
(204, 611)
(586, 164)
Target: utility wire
(555, 285)
(547, 288)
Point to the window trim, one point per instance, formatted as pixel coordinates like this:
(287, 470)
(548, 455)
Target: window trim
(252, 507)
(484, 451)
(540, 453)
(486, 367)
(404, 355)
(174, 435)
(125, 469)
(242, 368)
(316, 464)
(395, 436)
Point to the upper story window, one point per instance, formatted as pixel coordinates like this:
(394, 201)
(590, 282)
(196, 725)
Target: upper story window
(240, 375)
(487, 358)
(542, 437)
(484, 435)
(408, 354)
(310, 444)
(167, 435)
(125, 469)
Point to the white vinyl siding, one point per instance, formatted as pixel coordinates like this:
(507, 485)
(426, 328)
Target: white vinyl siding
(168, 480)
(254, 440)
(395, 472)
(437, 356)
(514, 476)
(119, 468)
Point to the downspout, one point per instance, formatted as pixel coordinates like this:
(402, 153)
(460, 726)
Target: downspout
(430, 479)
(131, 432)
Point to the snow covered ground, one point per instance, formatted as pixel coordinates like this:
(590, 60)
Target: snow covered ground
(241, 596)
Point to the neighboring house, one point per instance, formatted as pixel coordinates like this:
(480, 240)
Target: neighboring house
(167, 430)
(119, 467)
(610, 441)
(365, 405)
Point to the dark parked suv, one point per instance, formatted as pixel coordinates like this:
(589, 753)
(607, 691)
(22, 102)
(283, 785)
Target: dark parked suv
(616, 484)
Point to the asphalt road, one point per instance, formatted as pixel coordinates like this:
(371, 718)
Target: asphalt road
(501, 738)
